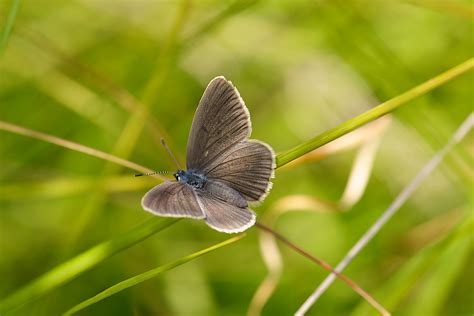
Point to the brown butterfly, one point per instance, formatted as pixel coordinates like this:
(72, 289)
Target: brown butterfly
(225, 169)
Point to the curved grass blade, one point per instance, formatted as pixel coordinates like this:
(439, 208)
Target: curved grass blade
(7, 28)
(83, 262)
(114, 289)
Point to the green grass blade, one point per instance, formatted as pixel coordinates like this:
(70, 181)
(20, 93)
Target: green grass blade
(83, 262)
(374, 113)
(8, 27)
(147, 275)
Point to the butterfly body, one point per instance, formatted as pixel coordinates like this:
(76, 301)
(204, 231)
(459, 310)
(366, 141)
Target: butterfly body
(225, 169)
(191, 177)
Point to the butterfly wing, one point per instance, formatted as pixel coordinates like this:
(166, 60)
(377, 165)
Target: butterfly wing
(172, 199)
(223, 216)
(221, 121)
(247, 168)
(221, 191)
(218, 143)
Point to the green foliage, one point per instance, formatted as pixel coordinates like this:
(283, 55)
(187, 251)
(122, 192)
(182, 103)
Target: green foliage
(117, 75)
(83, 262)
(147, 275)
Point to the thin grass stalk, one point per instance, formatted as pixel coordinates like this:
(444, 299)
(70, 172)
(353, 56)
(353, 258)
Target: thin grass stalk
(73, 146)
(361, 169)
(399, 287)
(326, 266)
(463, 129)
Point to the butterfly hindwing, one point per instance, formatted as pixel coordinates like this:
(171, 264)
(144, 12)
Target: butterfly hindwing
(221, 191)
(247, 168)
(223, 216)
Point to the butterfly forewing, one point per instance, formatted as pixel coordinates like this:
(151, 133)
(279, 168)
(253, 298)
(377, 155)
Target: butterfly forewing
(172, 199)
(221, 120)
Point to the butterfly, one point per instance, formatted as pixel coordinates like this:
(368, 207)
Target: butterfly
(225, 170)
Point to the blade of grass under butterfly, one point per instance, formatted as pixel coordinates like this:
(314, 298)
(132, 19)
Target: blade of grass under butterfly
(8, 26)
(83, 262)
(374, 113)
(114, 289)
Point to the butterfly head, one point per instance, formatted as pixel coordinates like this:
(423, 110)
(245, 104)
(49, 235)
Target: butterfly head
(180, 175)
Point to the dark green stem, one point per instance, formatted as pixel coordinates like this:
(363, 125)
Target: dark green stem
(373, 114)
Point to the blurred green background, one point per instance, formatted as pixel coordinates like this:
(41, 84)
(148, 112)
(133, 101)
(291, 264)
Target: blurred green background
(76, 69)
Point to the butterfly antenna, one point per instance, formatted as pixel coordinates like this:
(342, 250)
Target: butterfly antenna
(150, 173)
(170, 153)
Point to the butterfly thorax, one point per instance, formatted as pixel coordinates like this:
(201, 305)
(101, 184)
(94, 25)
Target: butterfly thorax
(191, 177)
